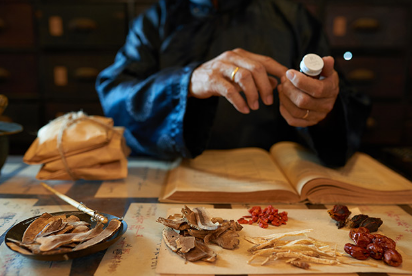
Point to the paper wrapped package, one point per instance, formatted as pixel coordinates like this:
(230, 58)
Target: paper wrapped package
(77, 146)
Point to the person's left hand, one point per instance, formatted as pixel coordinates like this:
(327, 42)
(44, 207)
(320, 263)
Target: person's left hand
(305, 101)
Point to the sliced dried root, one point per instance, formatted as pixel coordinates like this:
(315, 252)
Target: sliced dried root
(299, 252)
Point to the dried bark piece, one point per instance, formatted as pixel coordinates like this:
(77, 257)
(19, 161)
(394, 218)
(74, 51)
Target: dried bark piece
(80, 229)
(33, 247)
(55, 241)
(111, 228)
(54, 225)
(59, 250)
(18, 248)
(66, 229)
(78, 223)
(72, 218)
(35, 227)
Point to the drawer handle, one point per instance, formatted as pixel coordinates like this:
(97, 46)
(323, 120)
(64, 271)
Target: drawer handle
(366, 24)
(4, 75)
(82, 25)
(361, 75)
(371, 123)
(86, 74)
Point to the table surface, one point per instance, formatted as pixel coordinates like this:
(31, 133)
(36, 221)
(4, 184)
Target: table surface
(135, 199)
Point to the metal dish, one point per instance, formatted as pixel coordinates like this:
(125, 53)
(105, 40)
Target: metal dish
(17, 231)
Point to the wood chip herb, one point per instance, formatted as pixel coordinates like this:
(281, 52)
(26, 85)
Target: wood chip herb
(50, 234)
(189, 233)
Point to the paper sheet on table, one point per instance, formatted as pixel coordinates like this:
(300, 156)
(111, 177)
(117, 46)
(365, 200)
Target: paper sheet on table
(146, 178)
(12, 263)
(139, 246)
(23, 182)
(11, 209)
(235, 261)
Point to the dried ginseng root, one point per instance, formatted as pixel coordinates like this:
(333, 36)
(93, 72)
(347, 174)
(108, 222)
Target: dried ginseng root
(294, 248)
(188, 234)
(49, 235)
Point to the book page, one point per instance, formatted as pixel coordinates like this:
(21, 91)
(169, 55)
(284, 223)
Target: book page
(238, 170)
(300, 165)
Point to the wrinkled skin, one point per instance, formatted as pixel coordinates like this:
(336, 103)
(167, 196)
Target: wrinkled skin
(297, 92)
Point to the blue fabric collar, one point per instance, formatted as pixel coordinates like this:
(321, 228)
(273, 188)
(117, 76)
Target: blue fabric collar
(223, 5)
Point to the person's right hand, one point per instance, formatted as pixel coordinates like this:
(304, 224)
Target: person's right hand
(214, 78)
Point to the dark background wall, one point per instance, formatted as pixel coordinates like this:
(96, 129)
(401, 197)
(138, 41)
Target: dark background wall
(52, 51)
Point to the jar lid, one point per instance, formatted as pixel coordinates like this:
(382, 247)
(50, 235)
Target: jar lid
(311, 64)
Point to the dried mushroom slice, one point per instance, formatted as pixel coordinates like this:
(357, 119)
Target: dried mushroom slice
(190, 242)
(179, 224)
(227, 240)
(185, 244)
(204, 221)
(170, 237)
(190, 217)
(200, 252)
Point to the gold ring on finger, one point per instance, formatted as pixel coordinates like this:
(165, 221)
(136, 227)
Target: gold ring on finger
(232, 77)
(307, 114)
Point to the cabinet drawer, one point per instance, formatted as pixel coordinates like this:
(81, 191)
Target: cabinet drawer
(16, 25)
(18, 75)
(385, 124)
(54, 110)
(73, 76)
(367, 26)
(382, 77)
(27, 115)
(97, 26)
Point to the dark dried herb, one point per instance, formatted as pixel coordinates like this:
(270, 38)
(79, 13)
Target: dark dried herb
(339, 213)
(372, 224)
(356, 220)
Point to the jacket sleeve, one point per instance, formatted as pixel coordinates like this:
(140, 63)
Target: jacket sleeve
(338, 136)
(148, 100)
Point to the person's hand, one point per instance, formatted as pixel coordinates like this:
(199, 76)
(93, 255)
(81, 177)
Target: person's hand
(219, 77)
(305, 101)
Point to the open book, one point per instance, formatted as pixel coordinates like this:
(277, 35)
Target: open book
(289, 173)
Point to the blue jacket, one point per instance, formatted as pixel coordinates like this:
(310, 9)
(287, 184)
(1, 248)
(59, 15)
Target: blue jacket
(146, 88)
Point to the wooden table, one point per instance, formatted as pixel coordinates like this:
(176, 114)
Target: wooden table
(135, 199)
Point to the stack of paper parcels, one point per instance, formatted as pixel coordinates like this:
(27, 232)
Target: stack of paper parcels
(76, 146)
